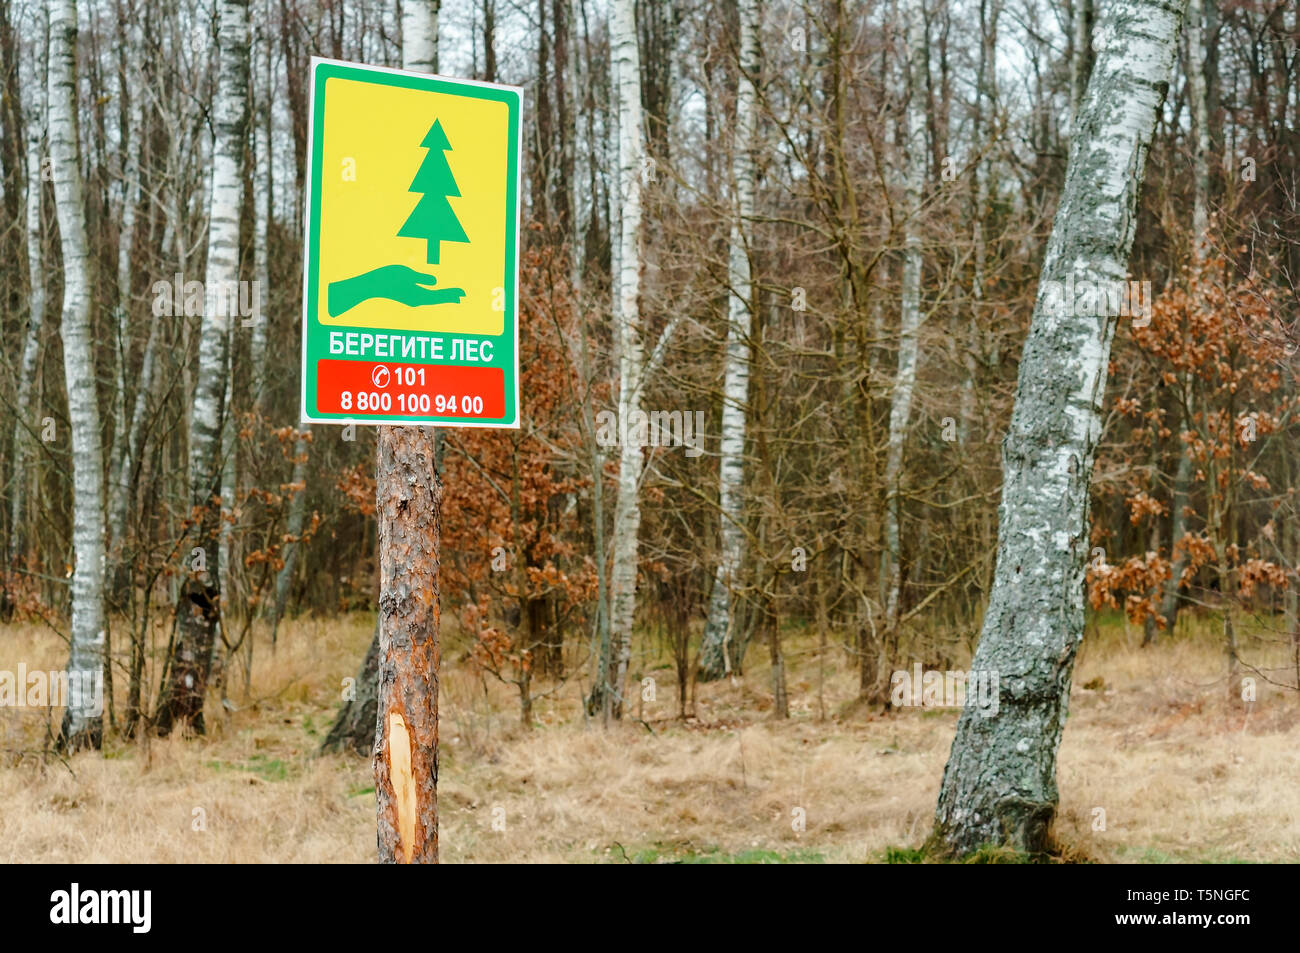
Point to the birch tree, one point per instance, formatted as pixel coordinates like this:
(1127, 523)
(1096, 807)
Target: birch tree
(199, 607)
(601, 697)
(420, 35)
(125, 412)
(83, 718)
(263, 190)
(24, 425)
(985, 93)
(716, 650)
(408, 496)
(999, 786)
(1198, 97)
(900, 408)
(608, 692)
(1082, 55)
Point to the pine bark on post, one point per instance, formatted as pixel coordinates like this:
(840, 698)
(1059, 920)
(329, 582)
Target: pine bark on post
(408, 496)
(408, 500)
(718, 649)
(199, 607)
(83, 719)
(999, 786)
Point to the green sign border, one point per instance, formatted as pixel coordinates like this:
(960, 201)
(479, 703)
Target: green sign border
(315, 340)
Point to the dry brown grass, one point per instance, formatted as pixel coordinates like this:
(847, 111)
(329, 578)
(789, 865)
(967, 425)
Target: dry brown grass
(1180, 774)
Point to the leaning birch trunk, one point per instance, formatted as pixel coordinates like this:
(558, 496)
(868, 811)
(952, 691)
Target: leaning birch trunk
(24, 426)
(120, 468)
(986, 79)
(900, 408)
(627, 508)
(1198, 94)
(229, 457)
(999, 786)
(262, 196)
(297, 519)
(1199, 102)
(131, 452)
(83, 718)
(298, 505)
(408, 500)
(1081, 62)
(602, 692)
(718, 649)
(199, 606)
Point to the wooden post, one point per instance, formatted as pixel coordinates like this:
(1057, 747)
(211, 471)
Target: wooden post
(409, 505)
(409, 509)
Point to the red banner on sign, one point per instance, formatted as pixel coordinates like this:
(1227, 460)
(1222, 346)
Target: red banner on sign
(367, 388)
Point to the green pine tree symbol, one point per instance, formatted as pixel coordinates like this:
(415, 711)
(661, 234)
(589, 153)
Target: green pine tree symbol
(432, 218)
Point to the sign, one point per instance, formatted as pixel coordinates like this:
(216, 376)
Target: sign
(411, 278)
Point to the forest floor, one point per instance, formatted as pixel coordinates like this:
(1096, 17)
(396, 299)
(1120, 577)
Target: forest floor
(1155, 766)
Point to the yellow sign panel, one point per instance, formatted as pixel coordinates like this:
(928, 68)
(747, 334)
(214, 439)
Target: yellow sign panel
(371, 156)
(411, 264)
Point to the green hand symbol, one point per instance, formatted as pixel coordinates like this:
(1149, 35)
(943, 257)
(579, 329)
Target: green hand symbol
(394, 282)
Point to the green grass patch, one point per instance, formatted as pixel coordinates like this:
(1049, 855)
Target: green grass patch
(904, 855)
(687, 853)
(268, 769)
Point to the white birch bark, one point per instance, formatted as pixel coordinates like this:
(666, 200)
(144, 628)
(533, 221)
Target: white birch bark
(296, 521)
(627, 509)
(420, 35)
(600, 699)
(999, 786)
(578, 238)
(986, 83)
(717, 652)
(900, 409)
(229, 479)
(131, 447)
(124, 412)
(83, 719)
(1199, 102)
(24, 425)
(191, 660)
(262, 194)
(1081, 62)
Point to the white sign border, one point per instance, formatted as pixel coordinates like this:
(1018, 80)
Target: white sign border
(304, 416)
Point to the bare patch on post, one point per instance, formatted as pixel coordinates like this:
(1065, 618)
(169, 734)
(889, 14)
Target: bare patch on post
(402, 781)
